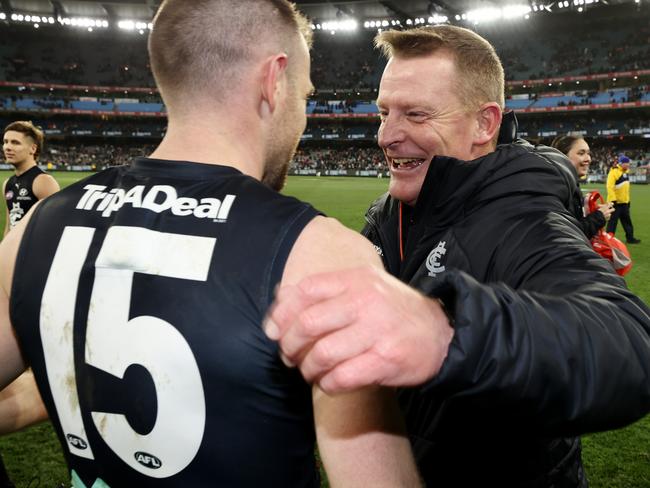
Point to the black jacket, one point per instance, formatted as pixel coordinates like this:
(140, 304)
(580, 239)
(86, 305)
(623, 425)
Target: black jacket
(549, 343)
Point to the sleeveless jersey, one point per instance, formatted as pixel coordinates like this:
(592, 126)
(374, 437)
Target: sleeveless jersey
(138, 298)
(19, 194)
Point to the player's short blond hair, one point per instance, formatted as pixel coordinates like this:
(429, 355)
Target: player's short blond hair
(202, 46)
(479, 69)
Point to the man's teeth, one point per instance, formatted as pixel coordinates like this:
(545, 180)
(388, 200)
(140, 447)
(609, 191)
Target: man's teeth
(411, 162)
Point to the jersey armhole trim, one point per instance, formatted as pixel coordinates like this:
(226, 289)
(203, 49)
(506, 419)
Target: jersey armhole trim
(283, 246)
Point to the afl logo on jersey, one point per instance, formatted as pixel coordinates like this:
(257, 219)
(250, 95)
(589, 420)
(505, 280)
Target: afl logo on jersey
(148, 460)
(9, 195)
(77, 442)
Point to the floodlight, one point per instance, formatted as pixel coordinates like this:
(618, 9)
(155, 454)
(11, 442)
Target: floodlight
(484, 14)
(126, 24)
(384, 23)
(2, 16)
(36, 26)
(28, 18)
(512, 11)
(580, 9)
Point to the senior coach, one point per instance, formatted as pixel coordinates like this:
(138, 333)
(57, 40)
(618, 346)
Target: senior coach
(522, 337)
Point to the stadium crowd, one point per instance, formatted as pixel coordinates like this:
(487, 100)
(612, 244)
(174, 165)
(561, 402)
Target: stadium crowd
(314, 157)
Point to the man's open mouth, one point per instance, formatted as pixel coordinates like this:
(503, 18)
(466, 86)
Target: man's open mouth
(406, 163)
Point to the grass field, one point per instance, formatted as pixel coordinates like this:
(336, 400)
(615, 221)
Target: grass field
(617, 459)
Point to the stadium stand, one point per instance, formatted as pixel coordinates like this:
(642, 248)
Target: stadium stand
(94, 89)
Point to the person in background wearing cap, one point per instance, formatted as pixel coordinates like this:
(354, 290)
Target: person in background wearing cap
(618, 193)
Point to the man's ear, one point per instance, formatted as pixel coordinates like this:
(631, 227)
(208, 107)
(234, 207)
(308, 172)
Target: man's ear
(274, 80)
(488, 123)
(33, 149)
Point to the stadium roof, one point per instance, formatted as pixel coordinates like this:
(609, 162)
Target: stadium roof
(317, 10)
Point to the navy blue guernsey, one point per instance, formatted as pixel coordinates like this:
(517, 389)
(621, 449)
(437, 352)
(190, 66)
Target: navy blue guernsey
(138, 298)
(19, 194)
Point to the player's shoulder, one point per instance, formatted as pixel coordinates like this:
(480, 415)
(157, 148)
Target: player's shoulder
(327, 245)
(44, 178)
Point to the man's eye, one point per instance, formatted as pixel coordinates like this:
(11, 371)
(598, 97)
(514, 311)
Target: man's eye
(416, 115)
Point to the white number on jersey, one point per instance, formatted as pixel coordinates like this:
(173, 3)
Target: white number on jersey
(113, 343)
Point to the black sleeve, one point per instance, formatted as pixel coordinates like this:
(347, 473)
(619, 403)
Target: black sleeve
(592, 222)
(562, 349)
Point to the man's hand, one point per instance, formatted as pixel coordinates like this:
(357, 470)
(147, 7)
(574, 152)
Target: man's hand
(358, 327)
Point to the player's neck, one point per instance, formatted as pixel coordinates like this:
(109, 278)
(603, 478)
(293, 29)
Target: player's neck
(219, 145)
(24, 166)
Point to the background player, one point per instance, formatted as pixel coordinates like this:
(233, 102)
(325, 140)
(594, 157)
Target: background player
(22, 144)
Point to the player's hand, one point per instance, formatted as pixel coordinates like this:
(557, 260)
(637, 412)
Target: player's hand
(607, 209)
(353, 328)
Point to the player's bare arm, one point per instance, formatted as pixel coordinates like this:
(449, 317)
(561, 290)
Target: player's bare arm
(44, 186)
(4, 191)
(360, 434)
(21, 404)
(11, 359)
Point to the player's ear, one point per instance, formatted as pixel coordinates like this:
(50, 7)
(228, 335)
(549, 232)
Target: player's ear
(274, 81)
(488, 120)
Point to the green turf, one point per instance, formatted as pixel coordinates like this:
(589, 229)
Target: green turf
(618, 459)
